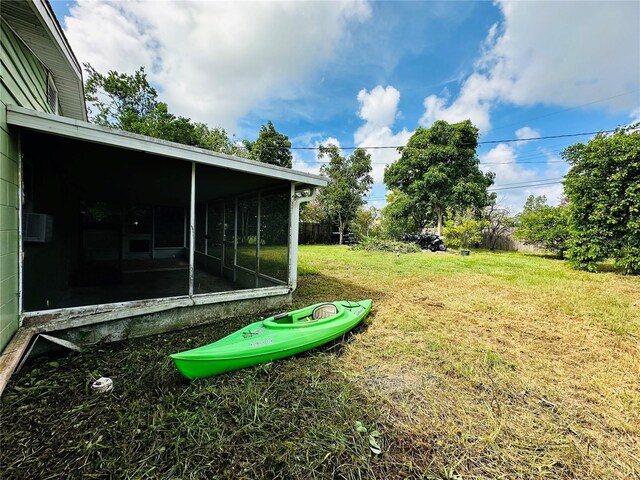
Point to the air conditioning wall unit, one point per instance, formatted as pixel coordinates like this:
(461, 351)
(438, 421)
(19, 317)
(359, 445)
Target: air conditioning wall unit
(37, 227)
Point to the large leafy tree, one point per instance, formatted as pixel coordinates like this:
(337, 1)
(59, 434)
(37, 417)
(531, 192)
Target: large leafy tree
(271, 147)
(129, 102)
(349, 182)
(544, 226)
(119, 100)
(399, 216)
(439, 170)
(603, 187)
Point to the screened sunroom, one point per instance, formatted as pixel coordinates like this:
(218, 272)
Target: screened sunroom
(115, 224)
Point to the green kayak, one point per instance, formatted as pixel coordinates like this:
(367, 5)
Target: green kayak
(276, 337)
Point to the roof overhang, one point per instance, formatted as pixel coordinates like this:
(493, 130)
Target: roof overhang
(36, 24)
(88, 132)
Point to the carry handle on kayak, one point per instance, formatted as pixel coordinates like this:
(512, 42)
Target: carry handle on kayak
(280, 315)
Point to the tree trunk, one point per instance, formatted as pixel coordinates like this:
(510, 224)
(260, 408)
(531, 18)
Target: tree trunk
(439, 231)
(493, 239)
(340, 230)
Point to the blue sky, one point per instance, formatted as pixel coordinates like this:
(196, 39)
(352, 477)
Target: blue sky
(368, 74)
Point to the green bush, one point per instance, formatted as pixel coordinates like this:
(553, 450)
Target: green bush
(464, 230)
(544, 226)
(603, 188)
(377, 245)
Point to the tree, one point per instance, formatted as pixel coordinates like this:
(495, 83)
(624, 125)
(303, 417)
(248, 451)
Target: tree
(119, 100)
(603, 187)
(399, 216)
(464, 229)
(271, 147)
(217, 140)
(365, 223)
(439, 170)
(129, 102)
(312, 212)
(544, 226)
(499, 222)
(349, 181)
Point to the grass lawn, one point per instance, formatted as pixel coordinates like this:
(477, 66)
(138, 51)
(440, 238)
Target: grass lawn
(496, 365)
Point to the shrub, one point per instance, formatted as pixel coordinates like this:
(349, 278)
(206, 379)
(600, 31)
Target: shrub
(464, 230)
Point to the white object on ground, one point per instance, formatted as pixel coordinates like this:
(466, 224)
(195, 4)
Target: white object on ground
(102, 385)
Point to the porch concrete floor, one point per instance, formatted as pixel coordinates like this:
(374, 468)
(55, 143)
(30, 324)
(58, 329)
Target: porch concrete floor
(140, 285)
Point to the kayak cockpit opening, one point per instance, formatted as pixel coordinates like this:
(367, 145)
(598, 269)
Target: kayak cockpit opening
(312, 315)
(282, 318)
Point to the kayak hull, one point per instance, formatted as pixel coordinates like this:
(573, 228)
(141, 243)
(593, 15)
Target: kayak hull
(270, 339)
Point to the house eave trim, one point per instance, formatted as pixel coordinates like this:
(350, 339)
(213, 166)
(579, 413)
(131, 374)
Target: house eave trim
(70, 128)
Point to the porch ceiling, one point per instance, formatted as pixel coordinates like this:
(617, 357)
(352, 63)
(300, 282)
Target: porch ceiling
(118, 139)
(107, 173)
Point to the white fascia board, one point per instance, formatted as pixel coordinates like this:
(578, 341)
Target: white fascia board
(70, 128)
(47, 17)
(44, 11)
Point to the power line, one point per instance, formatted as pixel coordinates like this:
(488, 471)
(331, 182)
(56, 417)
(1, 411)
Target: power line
(523, 163)
(510, 186)
(524, 186)
(315, 162)
(528, 182)
(525, 156)
(486, 142)
(566, 109)
(566, 135)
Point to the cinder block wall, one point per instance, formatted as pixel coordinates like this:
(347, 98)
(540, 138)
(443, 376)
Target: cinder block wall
(23, 82)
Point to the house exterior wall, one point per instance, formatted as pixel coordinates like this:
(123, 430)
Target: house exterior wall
(23, 82)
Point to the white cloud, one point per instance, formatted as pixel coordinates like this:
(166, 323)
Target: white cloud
(474, 102)
(307, 160)
(503, 161)
(101, 33)
(561, 53)
(527, 132)
(379, 109)
(329, 141)
(213, 61)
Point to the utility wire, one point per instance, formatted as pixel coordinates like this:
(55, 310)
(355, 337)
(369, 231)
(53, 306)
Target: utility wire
(481, 163)
(500, 127)
(528, 182)
(510, 186)
(524, 186)
(486, 142)
(525, 156)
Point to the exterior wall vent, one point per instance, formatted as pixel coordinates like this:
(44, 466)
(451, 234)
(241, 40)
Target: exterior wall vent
(37, 227)
(52, 95)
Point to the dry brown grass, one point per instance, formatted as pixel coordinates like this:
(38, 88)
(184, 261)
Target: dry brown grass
(495, 365)
(482, 367)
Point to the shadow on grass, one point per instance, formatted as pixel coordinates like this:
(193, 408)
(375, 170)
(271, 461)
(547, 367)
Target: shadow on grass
(252, 423)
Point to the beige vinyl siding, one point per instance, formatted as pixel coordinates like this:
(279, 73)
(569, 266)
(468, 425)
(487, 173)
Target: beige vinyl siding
(23, 82)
